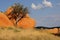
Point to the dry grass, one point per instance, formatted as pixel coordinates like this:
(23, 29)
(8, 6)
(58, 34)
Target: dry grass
(25, 34)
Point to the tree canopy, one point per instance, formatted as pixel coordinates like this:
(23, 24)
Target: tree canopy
(18, 12)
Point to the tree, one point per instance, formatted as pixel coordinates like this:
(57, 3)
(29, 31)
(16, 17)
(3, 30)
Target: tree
(18, 12)
(58, 27)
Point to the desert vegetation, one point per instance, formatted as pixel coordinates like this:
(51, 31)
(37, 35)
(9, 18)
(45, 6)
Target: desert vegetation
(25, 34)
(16, 24)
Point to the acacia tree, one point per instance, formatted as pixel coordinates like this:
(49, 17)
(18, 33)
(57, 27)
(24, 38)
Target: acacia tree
(18, 12)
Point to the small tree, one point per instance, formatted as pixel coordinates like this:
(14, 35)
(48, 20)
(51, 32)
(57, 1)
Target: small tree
(58, 29)
(18, 12)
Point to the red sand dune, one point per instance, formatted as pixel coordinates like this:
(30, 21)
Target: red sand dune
(4, 21)
(26, 22)
(55, 30)
(8, 10)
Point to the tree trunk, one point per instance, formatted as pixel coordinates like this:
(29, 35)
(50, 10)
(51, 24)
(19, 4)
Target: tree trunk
(58, 30)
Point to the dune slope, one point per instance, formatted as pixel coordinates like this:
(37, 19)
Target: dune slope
(4, 21)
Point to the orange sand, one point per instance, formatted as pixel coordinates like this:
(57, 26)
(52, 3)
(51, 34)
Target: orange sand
(55, 30)
(8, 10)
(26, 22)
(4, 21)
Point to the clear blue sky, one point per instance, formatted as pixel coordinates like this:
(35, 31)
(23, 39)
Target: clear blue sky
(45, 12)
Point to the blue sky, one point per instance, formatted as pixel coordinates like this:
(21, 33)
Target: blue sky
(45, 12)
